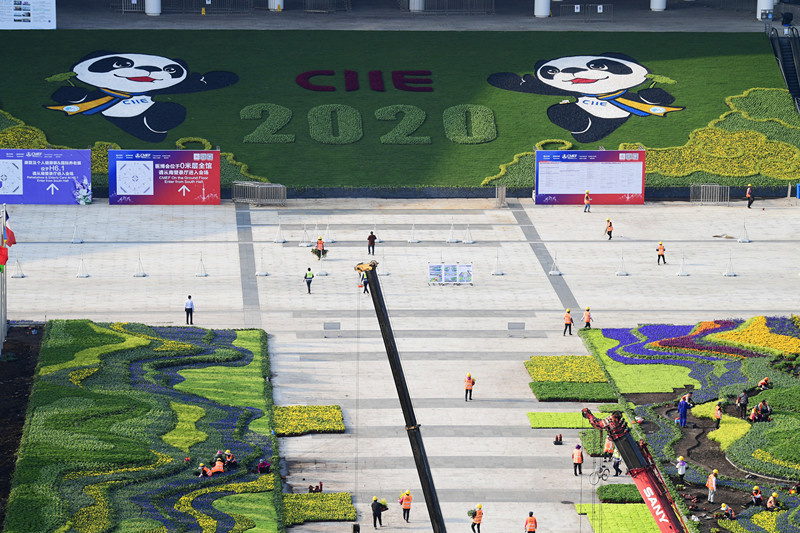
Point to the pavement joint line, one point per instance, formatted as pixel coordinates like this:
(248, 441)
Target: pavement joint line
(247, 267)
(558, 283)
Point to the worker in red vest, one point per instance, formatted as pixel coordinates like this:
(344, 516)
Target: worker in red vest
(405, 503)
(711, 484)
(756, 498)
(749, 195)
(718, 413)
(587, 319)
(661, 251)
(577, 460)
(567, 322)
(609, 228)
(530, 523)
(230, 459)
(478, 518)
(587, 203)
(469, 382)
(764, 384)
(608, 449)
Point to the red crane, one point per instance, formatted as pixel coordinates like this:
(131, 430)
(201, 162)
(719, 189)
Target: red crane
(643, 470)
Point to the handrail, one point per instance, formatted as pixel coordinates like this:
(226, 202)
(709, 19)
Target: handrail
(774, 39)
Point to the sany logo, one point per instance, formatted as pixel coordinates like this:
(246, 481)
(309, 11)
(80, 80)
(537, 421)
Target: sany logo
(656, 509)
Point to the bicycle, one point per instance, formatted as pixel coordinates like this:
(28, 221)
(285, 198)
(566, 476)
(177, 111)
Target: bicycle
(602, 472)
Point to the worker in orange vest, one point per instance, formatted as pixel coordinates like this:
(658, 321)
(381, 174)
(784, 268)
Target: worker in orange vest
(773, 503)
(608, 449)
(756, 498)
(718, 413)
(203, 470)
(319, 250)
(727, 511)
(587, 203)
(749, 195)
(609, 228)
(230, 459)
(764, 384)
(711, 484)
(577, 460)
(587, 319)
(530, 523)
(661, 251)
(567, 322)
(219, 467)
(469, 382)
(405, 503)
(476, 520)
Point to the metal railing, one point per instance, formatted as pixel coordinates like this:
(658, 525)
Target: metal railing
(588, 12)
(452, 7)
(257, 193)
(212, 7)
(710, 194)
(500, 196)
(128, 6)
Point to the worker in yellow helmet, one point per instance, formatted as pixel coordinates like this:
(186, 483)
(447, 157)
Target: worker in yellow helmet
(469, 382)
(773, 503)
(587, 203)
(587, 319)
(477, 518)
(727, 511)
(567, 322)
(609, 228)
(405, 503)
(711, 484)
(660, 249)
(749, 195)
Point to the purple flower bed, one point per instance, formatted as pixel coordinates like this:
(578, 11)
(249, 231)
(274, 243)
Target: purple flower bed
(695, 342)
(781, 325)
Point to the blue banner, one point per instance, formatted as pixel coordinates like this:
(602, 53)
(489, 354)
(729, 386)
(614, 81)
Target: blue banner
(46, 176)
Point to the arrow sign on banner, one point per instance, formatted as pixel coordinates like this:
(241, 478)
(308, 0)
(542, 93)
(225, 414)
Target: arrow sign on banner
(184, 189)
(52, 188)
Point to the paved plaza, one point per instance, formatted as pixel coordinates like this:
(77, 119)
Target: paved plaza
(480, 452)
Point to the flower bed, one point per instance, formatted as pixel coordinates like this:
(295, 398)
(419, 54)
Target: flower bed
(557, 420)
(303, 419)
(619, 517)
(318, 507)
(730, 429)
(565, 391)
(619, 493)
(754, 334)
(575, 368)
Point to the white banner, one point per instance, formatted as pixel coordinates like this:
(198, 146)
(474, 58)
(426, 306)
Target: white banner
(27, 14)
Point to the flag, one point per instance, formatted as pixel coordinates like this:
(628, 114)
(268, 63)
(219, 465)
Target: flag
(3, 255)
(9, 239)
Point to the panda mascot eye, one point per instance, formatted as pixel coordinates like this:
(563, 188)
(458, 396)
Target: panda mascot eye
(597, 66)
(122, 63)
(549, 72)
(174, 70)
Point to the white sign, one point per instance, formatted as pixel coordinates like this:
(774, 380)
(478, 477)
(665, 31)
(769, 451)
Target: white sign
(449, 273)
(27, 14)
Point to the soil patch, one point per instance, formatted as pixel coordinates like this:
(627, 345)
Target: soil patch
(17, 364)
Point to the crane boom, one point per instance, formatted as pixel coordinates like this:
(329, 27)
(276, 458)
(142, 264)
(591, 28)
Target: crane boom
(643, 470)
(412, 428)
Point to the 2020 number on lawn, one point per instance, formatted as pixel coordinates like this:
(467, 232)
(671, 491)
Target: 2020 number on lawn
(343, 124)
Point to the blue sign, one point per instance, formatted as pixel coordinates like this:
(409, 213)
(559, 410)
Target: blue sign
(46, 176)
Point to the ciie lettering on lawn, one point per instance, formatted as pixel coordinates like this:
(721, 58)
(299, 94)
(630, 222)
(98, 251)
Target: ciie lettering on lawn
(403, 80)
(657, 511)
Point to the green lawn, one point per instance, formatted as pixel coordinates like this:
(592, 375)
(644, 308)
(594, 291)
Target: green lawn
(256, 507)
(557, 420)
(457, 134)
(619, 517)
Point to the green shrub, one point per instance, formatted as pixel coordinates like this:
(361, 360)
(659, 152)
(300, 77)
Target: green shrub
(563, 391)
(619, 493)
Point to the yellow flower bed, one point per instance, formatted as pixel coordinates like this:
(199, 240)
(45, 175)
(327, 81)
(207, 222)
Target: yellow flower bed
(767, 520)
(317, 507)
(303, 419)
(573, 368)
(754, 334)
(77, 376)
(730, 429)
(96, 517)
(767, 457)
(162, 459)
(264, 483)
(166, 344)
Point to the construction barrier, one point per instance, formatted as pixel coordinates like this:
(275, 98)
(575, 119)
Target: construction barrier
(256, 193)
(710, 194)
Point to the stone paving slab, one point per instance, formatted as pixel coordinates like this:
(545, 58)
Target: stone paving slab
(442, 332)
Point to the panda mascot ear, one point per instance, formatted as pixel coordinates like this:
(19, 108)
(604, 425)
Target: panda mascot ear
(623, 57)
(92, 55)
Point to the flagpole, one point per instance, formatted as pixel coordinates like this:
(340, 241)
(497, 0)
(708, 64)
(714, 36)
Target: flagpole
(3, 291)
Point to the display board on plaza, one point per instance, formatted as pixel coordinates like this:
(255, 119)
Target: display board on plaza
(45, 177)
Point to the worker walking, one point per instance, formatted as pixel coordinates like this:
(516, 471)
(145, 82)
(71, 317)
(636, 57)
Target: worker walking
(749, 195)
(617, 460)
(530, 523)
(319, 250)
(308, 278)
(587, 319)
(469, 382)
(365, 282)
(711, 484)
(741, 402)
(377, 509)
(577, 460)
(371, 238)
(609, 228)
(661, 251)
(718, 414)
(567, 323)
(587, 203)
(683, 410)
(477, 519)
(405, 503)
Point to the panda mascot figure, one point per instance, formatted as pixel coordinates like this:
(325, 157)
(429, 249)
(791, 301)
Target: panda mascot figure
(125, 85)
(601, 87)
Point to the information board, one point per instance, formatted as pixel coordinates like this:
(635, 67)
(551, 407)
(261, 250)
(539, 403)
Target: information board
(163, 177)
(46, 176)
(27, 15)
(610, 176)
(449, 273)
